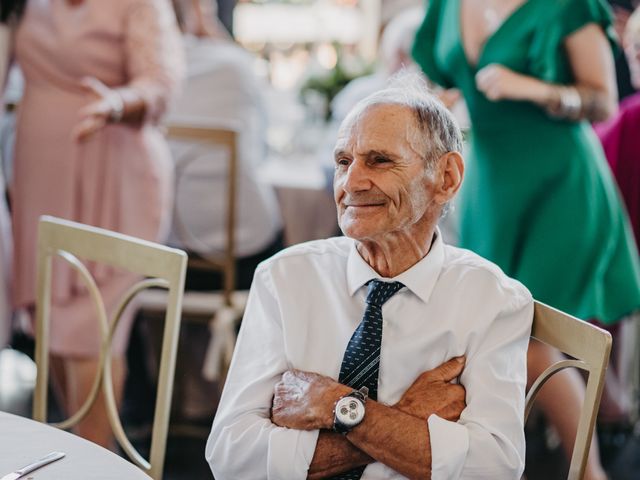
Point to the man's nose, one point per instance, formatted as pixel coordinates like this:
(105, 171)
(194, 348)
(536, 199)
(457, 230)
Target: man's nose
(356, 178)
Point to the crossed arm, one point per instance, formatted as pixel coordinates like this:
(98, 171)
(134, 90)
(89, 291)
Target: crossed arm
(247, 440)
(397, 436)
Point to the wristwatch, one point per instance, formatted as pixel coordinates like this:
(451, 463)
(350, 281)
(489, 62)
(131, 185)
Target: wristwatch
(349, 411)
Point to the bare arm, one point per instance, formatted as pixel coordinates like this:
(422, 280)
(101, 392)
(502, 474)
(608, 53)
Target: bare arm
(154, 67)
(397, 436)
(593, 68)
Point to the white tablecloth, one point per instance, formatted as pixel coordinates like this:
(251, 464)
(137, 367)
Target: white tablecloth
(23, 441)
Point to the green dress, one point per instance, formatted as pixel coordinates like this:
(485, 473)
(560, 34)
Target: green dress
(538, 197)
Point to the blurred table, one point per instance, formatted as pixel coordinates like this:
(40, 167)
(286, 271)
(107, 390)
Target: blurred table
(23, 441)
(306, 202)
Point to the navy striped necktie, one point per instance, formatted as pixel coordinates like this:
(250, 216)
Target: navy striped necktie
(361, 361)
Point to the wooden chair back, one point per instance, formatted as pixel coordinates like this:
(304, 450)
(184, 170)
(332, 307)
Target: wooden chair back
(589, 348)
(217, 137)
(161, 267)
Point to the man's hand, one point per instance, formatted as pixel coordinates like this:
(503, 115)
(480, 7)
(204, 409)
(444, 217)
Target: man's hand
(432, 393)
(305, 400)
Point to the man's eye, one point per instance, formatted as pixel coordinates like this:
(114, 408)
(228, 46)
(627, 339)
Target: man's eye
(381, 160)
(342, 161)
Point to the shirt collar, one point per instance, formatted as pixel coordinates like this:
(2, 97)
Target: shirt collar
(420, 278)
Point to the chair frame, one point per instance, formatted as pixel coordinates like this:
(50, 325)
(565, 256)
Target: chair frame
(227, 137)
(226, 312)
(589, 347)
(166, 266)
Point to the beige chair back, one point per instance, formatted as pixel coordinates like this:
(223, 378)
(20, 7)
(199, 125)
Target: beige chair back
(589, 348)
(162, 267)
(227, 138)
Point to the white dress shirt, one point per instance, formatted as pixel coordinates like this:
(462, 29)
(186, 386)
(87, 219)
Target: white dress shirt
(221, 89)
(303, 307)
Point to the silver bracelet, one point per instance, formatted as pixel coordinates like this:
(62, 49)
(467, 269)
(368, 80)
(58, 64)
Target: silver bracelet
(117, 107)
(570, 103)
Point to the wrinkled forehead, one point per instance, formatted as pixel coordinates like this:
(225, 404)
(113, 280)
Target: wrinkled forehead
(380, 123)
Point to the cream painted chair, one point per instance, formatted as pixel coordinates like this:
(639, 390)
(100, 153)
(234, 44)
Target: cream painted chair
(162, 267)
(589, 348)
(223, 308)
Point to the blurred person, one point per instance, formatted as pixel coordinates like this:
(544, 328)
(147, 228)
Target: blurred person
(622, 10)
(621, 144)
(429, 381)
(13, 89)
(10, 11)
(209, 17)
(221, 88)
(632, 46)
(539, 193)
(98, 77)
(619, 134)
(394, 53)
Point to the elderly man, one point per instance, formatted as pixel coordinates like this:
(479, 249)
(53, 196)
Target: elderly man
(429, 381)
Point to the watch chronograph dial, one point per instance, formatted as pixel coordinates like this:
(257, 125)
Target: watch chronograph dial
(349, 411)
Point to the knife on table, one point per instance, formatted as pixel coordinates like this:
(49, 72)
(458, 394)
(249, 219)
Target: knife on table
(47, 459)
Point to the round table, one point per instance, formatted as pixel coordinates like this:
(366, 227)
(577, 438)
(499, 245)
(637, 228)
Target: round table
(23, 441)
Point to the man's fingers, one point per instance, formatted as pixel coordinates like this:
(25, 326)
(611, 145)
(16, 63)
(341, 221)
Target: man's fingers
(450, 369)
(453, 411)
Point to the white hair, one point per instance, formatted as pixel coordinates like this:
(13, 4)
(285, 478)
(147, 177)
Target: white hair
(406, 88)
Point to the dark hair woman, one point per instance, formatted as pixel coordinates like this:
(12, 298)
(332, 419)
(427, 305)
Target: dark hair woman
(10, 8)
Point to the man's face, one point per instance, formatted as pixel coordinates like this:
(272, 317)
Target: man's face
(381, 184)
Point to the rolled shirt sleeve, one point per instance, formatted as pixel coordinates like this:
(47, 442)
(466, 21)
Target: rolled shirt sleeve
(488, 440)
(244, 443)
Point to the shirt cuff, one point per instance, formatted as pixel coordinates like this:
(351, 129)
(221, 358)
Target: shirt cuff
(290, 453)
(449, 446)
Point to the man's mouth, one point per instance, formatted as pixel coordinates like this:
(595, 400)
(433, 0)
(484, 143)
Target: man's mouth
(363, 205)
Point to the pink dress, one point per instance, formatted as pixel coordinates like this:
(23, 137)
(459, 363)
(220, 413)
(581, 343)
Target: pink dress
(120, 178)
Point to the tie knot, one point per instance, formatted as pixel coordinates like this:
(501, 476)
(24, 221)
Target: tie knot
(379, 292)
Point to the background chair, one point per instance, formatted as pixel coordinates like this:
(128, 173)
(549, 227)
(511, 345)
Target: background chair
(162, 266)
(589, 348)
(223, 309)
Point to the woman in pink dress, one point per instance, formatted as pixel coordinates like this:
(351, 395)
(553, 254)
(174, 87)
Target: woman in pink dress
(98, 77)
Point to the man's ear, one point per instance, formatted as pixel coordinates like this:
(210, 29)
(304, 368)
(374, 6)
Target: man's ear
(449, 174)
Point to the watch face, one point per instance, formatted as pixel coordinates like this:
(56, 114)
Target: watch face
(350, 411)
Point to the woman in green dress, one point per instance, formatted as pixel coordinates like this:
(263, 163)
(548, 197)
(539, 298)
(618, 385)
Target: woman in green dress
(539, 199)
